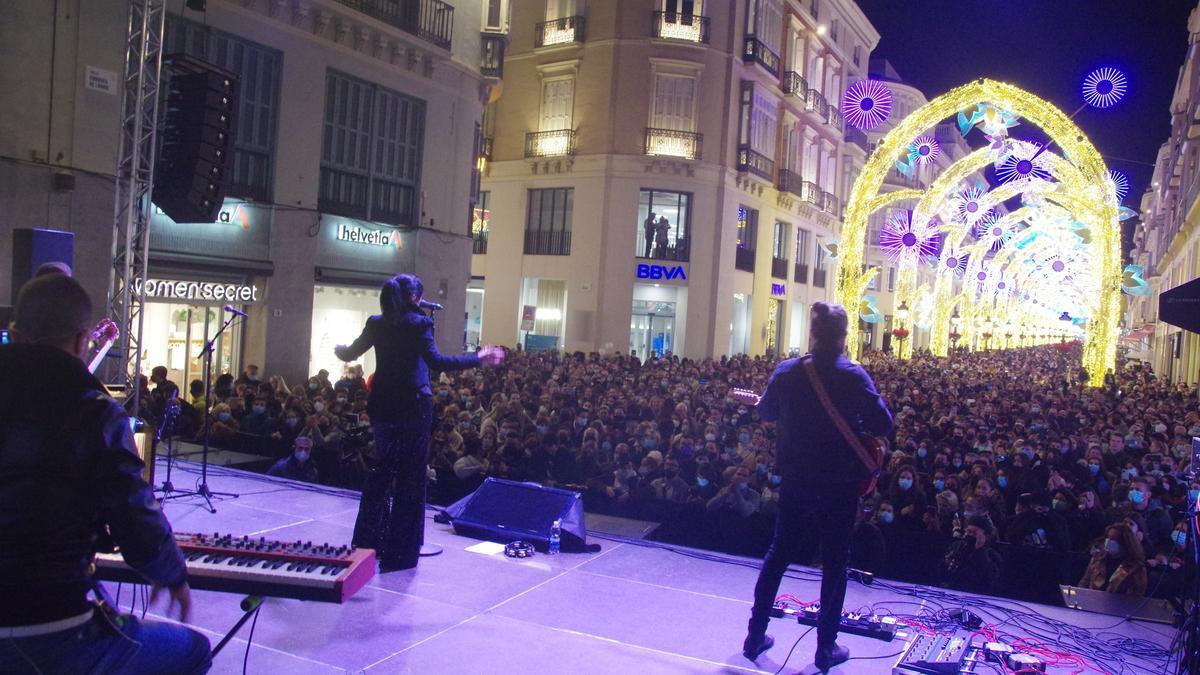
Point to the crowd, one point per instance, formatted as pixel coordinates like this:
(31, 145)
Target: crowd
(1005, 470)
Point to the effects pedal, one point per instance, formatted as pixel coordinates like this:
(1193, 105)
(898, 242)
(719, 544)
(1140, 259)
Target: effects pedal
(866, 625)
(936, 654)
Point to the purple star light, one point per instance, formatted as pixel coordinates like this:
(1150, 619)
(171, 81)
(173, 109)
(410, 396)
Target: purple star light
(1121, 181)
(924, 150)
(904, 243)
(1104, 87)
(867, 104)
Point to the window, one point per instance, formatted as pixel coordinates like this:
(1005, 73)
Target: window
(764, 20)
(819, 268)
(801, 246)
(561, 9)
(495, 15)
(681, 20)
(258, 70)
(548, 222)
(674, 102)
(891, 279)
(370, 151)
(873, 284)
(663, 225)
(480, 215)
(558, 100)
(759, 113)
(747, 236)
(858, 55)
(779, 245)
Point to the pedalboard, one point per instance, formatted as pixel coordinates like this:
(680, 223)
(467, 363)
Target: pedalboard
(866, 625)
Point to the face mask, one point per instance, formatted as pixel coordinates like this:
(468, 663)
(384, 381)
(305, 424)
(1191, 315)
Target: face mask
(886, 516)
(364, 423)
(958, 463)
(649, 443)
(313, 386)
(1058, 505)
(581, 423)
(302, 456)
(341, 399)
(1137, 496)
(904, 483)
(1094, 468)
(1193, 495)
(319, 407)
(921, 452)
(744, 438)
(253, 378)
(776, 480)
(224, 417)
(1112, 548)
(743, 485)
(939, 484)
(644, 471)
(260, 409)
(702, 482)
(542, 429)
(1160, 428)
(760, 467)
(606, 445)
(1002, 481)
(292, 421)
(710, 437)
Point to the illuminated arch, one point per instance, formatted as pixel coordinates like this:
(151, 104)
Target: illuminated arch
(1084, 189)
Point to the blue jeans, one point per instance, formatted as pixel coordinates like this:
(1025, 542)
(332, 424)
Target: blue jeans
(99, 647)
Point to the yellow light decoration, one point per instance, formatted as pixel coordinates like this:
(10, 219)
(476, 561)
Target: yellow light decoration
(1083, 190)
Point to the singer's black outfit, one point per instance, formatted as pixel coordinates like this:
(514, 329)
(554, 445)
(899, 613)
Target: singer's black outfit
(820, 474)
(391, 515)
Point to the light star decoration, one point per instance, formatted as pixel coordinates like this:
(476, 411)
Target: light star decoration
(867, 104)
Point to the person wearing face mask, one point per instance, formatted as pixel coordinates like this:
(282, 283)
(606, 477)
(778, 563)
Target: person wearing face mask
(391, 516)
(820, 470)
(973, 564)
(258, 421)
(223, 428)
(289, 426)
(908, 498)
(299, 465)
(1118, 564)
(1158, 521)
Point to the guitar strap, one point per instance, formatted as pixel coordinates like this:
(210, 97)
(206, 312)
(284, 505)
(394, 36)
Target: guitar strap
(834, 414)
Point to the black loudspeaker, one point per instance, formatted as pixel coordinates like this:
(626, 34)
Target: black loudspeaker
(34, 248)
(195, 140)
(504, 511)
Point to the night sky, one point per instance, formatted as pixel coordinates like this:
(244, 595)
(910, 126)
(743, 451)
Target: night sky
(1047, 47)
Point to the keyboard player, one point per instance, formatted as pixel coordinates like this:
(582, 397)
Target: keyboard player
(68, 469)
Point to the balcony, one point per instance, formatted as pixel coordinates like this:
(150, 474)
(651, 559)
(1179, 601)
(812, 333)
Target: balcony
(547, 242)
(430, 20)
(550, 143)
(491, 54)
(795, 84)
(753, 50)
(682, 27)
(485, 148)
(671, 143)
(830, 204)
(815, 102)
(859, 138)
(800, 275)
(479, 242)
(744, 259)
(835, 118)
(819, 278)
(789, 181)
(755, 162)
(566, 30)
(810, 193)
(779, 268)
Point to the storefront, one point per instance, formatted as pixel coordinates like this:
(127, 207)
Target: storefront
(739, 325)
(543, 310)
(474, 327)
(656, 326)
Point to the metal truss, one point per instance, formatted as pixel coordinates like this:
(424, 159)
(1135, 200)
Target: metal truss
(135, 177)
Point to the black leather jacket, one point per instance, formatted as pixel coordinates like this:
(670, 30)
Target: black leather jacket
(68, 473)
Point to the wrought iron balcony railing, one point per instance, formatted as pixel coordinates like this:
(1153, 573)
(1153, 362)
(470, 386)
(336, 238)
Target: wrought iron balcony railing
(779, 268)
(430, 20)
(811, 193)
(815, 102)
(789, 181)
(686, 144)
(680, 26)
(830, 204)
(547, 242)
(835, 118)
(754, 50)
(795, 84)
(550, 143)
(859, 138)
(485, 148)
(819, 278)
(743, 259)
(755, 162)
(800, 275)
(559, 31)
(491, 54)
(479, 242)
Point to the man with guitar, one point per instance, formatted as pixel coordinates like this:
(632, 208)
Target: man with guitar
(821, 403)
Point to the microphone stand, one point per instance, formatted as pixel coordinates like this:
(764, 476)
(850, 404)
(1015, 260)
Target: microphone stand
(167, 426)
(202, 489)
(428, 550)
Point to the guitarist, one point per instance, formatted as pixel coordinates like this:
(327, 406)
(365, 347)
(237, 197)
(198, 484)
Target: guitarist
(822, 472)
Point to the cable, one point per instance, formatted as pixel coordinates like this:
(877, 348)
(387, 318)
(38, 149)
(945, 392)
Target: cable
(250, 640)
(793, 649)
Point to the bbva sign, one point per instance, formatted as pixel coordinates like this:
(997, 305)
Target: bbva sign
(667, 272)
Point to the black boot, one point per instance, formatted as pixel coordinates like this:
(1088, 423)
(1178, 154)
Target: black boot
(830, 655)
(755, 645)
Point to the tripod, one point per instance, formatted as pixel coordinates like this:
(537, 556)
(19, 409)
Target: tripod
(202, 489)
(167, 426)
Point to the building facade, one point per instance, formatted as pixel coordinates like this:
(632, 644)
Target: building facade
(1167, 240)
(356, 133)
(666, 175)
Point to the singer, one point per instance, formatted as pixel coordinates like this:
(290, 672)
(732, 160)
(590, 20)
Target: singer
(391, 517)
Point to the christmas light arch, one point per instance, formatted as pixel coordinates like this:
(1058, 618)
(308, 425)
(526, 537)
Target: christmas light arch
(1083, 188)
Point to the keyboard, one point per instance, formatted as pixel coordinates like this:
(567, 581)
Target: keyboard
(260, 566)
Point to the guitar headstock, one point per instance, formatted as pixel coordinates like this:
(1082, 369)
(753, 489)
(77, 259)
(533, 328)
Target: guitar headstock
(105, 330)
(746, 396)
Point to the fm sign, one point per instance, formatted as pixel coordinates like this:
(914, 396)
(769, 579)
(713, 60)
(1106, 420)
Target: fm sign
(667, 272)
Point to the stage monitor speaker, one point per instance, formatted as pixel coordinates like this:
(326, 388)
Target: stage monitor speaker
(195, 140)
(33, 248)
(505, 511)
(1180, 306)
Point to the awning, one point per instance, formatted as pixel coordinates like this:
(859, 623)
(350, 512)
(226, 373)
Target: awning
(1138, 334)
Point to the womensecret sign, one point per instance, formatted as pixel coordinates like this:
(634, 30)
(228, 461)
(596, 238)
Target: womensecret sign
(202, 291)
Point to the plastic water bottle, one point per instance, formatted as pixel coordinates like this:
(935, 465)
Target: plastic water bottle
(555, 537)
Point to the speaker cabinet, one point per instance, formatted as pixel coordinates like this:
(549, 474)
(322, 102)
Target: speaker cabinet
(504, 511)
(33, 248)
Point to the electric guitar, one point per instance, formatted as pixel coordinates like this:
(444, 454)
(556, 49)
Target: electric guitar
(103, 336)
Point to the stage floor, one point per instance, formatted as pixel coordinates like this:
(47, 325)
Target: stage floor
(631, 607)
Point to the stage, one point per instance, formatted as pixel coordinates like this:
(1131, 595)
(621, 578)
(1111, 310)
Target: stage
(632, 607)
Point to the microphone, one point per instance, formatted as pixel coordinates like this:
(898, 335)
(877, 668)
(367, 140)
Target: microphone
(234, 310)
(425, 304)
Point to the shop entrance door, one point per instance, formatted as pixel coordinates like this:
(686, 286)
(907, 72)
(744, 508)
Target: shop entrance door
(191, 328)
(652, 329)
